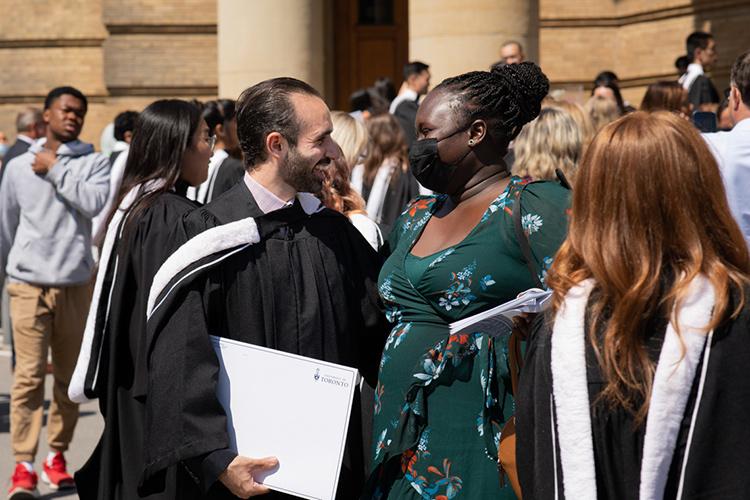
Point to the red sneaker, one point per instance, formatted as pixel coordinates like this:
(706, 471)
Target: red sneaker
(23, 484)
(56, 475)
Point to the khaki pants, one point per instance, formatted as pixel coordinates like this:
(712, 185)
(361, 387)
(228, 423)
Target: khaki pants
(44, 318)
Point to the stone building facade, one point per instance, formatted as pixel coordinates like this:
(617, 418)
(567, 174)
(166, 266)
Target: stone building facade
(125, 53)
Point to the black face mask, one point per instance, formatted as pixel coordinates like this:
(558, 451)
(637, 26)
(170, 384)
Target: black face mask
(428, 168)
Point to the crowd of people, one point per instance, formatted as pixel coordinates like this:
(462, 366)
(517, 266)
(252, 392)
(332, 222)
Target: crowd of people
(358, 237)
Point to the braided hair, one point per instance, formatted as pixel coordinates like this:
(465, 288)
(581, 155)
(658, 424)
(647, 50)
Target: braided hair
(508, 97)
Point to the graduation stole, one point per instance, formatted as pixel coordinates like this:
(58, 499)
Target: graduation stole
(82, 386)
(673, 380)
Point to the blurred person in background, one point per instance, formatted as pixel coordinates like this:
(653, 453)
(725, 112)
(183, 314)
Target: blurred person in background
(634, 383)
(612, 92)
(29, 127)
(681, 65)
(385, 88)
(4, 146)
(723, 118)
(124, 128)
(404, 106)
(732, 149)
(511, 52)
(602, 111)
(352, 136)
(226, 167)
(338, 194)
(551, 141)
(667, 96)
(384, 179)
(702, 54)
(581, 117)
(360, 105)
(605, 78)
(124, 125)
(172, 143)
(47, 200)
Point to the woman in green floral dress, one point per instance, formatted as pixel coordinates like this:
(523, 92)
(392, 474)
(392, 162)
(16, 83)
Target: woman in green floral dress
(442, 399)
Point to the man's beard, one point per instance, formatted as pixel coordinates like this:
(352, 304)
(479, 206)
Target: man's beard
(300, 172)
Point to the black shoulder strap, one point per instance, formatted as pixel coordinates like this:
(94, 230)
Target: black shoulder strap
(523, 240)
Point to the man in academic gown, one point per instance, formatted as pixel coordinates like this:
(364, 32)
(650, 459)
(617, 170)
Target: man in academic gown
(266, 264)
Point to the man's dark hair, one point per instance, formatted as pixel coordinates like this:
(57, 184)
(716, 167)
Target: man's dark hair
(265, 108)
(740, 76)
(697, 40)
(58, 92)
(414, 68)
(125, 122)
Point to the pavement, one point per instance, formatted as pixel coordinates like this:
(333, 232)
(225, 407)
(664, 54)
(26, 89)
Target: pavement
(88, 430)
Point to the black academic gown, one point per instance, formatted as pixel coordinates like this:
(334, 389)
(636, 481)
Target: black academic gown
(718, 451)
(308, 287)
(229, 173)
(114, 469)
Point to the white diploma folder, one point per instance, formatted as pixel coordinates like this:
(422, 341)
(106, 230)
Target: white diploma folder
(287, 406)
(533, 300)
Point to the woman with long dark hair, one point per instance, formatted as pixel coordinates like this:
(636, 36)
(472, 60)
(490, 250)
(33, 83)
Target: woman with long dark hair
(442, 397)
(635, 385)
(170, 150)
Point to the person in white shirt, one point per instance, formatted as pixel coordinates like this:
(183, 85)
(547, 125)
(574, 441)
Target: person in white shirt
(404, 107)
(732, 149)
(702, 54)
(416, 83)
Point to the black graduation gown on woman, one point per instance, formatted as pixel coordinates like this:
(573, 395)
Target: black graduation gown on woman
(711, 456)
(307, 287)
(114, 469)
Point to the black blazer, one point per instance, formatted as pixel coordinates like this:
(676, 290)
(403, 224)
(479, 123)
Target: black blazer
(17, 149)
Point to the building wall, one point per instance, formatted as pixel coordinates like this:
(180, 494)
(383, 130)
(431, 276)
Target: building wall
(637, 39)
(456, 37)
(125, 53)
(122, 54)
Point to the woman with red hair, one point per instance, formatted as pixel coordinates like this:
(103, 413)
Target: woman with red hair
(635, 386)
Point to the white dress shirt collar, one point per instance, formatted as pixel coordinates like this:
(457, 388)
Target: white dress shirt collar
(25, 138)
(694, 70)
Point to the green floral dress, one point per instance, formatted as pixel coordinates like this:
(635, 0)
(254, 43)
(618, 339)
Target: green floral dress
(442, 399)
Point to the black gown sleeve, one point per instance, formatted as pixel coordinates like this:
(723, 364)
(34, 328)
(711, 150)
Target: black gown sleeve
(150, 245)
(365, 267)
(184, 420)
(536, 442)
(702, 91)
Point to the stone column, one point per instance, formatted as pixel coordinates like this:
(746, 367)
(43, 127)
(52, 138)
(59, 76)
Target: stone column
(456, 37)
(262, 39)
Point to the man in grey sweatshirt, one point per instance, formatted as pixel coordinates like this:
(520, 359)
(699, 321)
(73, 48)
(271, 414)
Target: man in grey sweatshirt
(47, 200)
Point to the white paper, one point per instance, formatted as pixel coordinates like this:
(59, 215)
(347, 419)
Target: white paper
(288, 406)
(533, 300)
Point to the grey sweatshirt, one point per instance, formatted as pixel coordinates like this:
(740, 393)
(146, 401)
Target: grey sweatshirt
(45, 220)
